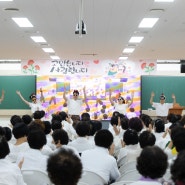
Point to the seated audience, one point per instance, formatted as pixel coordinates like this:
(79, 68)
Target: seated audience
(105, 164)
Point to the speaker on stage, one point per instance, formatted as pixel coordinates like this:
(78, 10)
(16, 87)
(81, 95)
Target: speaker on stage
(182, 66)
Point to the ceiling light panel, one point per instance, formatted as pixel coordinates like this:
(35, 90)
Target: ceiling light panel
(148, 22)
(128, 50)
(48, 50)
(22, 22)
(135, 39)
(123, 58)
(164, 1)
(55, 57)
(38, 39)
(5, 0)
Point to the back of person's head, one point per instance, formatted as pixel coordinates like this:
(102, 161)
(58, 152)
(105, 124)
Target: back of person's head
(47, 129)
(130, 137)
(124, 123)
(115, 113)
(20, 130)
(152, 162)
(61, 136)
(64, 167)
(136, 124)
(147, 138)
(4, 147)
(172, 118)
(8, 133)
(103, 138)
(159, 125)
(56, 117)
(36, 139)
(182, 121)
(114, 120)
(147, 120)
(178, 138)
(63, 115)
(38, 114)
(27, 119)
(83, 128)
(56, 124)
(178, 169)
(15, 119)
(95, 125)
(85, 116)
(38, 122)
(2, 131)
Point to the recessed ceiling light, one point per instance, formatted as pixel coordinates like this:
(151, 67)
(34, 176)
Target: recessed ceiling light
(22, 22)
(6, 0)
(123, 58)
(148, 22)
(48, 50)
(128, 50)
(38, 39)
(55, 57)
(164, 0)
(136, 39)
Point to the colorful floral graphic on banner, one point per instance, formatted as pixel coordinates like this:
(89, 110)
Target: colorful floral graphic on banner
(30, 68)
(148, 67)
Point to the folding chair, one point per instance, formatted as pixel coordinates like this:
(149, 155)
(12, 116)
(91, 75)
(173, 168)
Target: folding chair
(127, 167)
(132, 175)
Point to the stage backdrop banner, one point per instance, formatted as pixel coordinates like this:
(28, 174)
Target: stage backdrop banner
(82, 68)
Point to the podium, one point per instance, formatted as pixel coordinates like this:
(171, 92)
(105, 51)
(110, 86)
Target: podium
(177, 109)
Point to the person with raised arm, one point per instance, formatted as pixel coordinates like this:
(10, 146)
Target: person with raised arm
(34, 105)
(121, 105)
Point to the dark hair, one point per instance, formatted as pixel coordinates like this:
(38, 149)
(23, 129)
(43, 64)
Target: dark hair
(146, 138)
(15, 119)
(60, 135)
(32, 96)
(83, 128)
(177, 168)
(85, 116)
(47, 129)
(38, 114)
(130, 137)
(114, 120)
(27, 119)
(56, 124)
(56, 117)
(36, 139)
(159, 125)
(63, 115)
(136, 124)
(64, 167)
(20, 130)
(103, 138)
(8, 133)
(4, 148)
(124, 123)
(178, 138)
(147, 120)
(115, 113)
(95, 126)
(152, 162)
(76, 92)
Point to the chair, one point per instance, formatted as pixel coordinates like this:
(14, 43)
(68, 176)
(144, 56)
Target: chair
(131, 175)
(91, 178)
(127, 167)
(34, 177)
(122, 183)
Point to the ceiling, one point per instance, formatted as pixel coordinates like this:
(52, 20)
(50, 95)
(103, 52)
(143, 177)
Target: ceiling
(110, 25)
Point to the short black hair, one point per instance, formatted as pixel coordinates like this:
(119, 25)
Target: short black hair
(103, 138)
(27, 119)
(124, 123)
(114, 120)
(4, 148)
(130, 137)
(60, 135)
(64, 167)
(20, 130)
(152, 162)
(159, 125)
(136, 124)
(147, 138)
(177, 168)
(47, 129)
(36, 139)
(85, 116)
(56, 124)
(83, 128)
(63, 115)
(8, 133)
(15, 119)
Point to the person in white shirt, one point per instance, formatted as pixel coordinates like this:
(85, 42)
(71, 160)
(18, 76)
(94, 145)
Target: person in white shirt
(131, 113)
(34, 105)
(121, 105)
(81, 143)
(2, 96)
(10, 173)
(33, 159)
(151, 164)
(74, 105)
(162, 108)
(98, 160)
